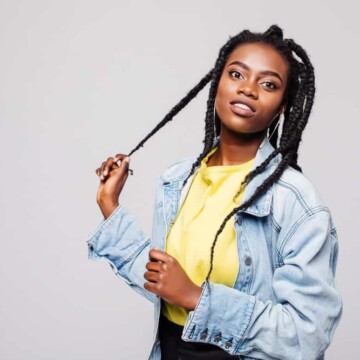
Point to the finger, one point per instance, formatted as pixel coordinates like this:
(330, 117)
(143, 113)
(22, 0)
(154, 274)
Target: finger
(124, 158)
(120, 157)
(151, 276)
(108, 165)
(122, 171)
(158, 255)
(154, 266)
(102, 170)
(152, 287)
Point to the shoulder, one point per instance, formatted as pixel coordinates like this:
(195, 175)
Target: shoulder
(301, 216)
(294, 184)
(179, 169)
(296, 198)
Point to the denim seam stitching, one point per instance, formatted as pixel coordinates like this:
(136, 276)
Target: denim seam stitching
(104, 223)
(297, 194)
(299, 222)
(123, 261)
(249, 311)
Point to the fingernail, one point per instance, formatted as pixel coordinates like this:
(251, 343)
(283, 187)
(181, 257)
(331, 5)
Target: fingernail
(127, 159)
(105, 172)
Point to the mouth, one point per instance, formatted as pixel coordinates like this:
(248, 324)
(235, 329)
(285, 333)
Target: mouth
(242, 108)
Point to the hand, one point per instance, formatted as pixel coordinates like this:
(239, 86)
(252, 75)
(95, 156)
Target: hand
(112, 180)
(168, 279)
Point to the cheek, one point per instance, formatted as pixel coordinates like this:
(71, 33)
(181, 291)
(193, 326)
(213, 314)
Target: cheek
(273, 104)
(222, 95)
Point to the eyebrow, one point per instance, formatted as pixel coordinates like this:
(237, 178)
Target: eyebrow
(265, 72)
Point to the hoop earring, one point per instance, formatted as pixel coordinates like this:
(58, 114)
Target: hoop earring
(273, 132)
(276, 126)
(214, 122)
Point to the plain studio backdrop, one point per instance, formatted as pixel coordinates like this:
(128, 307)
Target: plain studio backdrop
(81, 80)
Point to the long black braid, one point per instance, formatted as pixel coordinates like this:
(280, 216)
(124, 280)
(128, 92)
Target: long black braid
(299, 97)
(176, 109)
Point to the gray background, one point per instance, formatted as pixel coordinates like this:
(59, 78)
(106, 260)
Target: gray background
(83, 80)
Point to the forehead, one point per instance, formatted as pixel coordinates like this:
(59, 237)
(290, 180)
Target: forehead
(260, 57)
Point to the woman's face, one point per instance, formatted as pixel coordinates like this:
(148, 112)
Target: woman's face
(251, 89)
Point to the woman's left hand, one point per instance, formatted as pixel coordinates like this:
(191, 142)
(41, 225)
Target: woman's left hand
(167, 279)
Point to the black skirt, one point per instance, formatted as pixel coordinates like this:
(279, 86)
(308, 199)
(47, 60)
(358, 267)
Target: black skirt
(174, 348)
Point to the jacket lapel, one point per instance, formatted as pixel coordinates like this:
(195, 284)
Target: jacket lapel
(174, 194)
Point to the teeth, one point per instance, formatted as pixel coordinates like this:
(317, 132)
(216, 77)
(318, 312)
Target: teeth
(243, 106)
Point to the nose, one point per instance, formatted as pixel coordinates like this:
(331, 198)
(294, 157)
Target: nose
(248, 88)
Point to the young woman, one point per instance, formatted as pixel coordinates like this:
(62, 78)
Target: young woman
(243, 253)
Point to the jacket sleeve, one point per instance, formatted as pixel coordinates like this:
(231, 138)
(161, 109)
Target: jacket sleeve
(300, 323)
(120, 241)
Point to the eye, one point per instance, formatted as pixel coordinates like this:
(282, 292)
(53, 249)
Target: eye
(235, 74)
(270, 85)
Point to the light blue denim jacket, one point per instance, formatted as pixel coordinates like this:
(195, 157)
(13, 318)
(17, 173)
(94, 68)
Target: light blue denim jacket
(284, 304)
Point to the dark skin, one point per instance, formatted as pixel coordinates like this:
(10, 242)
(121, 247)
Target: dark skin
(253, 72)
(240, 137)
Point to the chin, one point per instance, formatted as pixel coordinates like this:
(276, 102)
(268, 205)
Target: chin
(243, 132)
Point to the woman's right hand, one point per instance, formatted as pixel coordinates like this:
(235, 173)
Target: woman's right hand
(112, 180)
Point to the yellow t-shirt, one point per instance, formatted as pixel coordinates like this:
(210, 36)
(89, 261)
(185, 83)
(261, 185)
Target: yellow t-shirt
(209, 199)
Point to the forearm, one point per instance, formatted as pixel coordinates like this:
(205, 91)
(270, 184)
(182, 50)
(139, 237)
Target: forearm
(107, 206)
(120, 240)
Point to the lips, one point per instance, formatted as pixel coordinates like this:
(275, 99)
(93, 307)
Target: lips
(242, 108)
(243, 102)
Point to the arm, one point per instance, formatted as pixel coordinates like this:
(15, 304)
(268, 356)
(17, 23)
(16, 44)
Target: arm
(167, 279)
(300, 324)
(119, 238)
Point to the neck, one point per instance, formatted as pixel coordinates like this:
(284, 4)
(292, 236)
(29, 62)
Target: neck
(235, 150)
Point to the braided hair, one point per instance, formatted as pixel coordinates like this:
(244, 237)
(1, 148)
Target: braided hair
(299, 96)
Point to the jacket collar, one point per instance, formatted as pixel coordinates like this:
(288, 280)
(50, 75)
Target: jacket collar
(261, 207)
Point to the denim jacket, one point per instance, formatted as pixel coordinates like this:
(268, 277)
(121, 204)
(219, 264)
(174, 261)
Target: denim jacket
(284, 303)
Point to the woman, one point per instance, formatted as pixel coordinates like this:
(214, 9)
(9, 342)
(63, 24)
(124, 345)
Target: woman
(243, 252)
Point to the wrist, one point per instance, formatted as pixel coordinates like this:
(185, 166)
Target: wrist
(193, 298)
(107, 207)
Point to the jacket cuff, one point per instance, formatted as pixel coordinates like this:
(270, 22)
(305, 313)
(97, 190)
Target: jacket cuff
(215, 314)
(113, 240)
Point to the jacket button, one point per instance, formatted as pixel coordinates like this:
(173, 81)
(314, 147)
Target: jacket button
(217, 338)
(228, 344)
(248, 261)
(203, 336)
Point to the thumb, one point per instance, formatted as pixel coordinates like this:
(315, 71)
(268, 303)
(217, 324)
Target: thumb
(122, 172)
(125, 163)
(124, 166)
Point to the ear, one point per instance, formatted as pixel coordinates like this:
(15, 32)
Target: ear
(283, 107)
